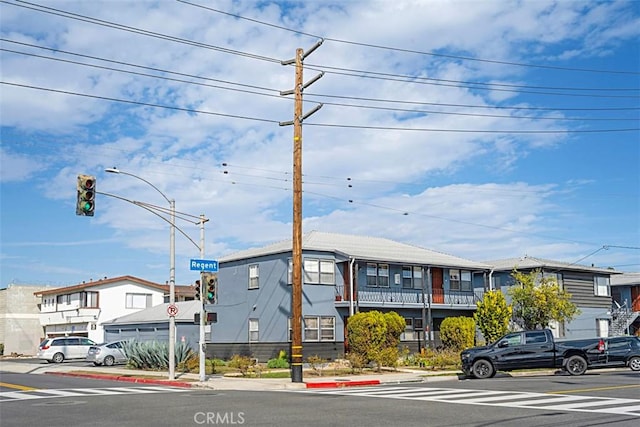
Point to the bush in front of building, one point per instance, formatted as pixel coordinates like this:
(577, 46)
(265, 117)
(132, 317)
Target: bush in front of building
(457, 333)
(374, 337)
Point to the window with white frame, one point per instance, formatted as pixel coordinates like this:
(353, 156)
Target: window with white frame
(411, 277)
(138, 300)
(319, 328)
(89, 299)
(465, 280)
(254, 279)
(602, 327)
(459, 280)
(319, 271)
(454, 280)
(601, 286)
(254, 330)
(378, 275)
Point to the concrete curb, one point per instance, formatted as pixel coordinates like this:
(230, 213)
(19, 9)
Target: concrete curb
(340, 384)
(167, 383)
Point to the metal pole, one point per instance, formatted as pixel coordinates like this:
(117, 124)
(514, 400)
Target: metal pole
(203, 314)
(172, 268)
(172, 291)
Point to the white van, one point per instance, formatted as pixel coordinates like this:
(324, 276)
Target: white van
(60, 349)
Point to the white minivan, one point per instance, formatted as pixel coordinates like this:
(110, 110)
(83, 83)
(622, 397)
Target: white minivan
(60, 349)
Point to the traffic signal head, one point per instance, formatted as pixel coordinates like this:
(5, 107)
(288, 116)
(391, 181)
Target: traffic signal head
(86, 202)
(198, 289)
(210, 285)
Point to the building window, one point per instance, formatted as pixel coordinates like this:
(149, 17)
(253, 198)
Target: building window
(378, 275)
(459, 280)
(409, 333)
(319, 328)
(254, 334)
(411, 277)
(465, 280)
(138, 300)
(602, 327)
(64, 299)
(254, 279)
(89, 299)
(319, 271)
(601, 286)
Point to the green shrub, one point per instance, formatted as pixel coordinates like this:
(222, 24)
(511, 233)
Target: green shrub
(279, 363)
(1, 349)
(457, 333)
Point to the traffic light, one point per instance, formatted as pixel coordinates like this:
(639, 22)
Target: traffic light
(198, 290)
(210, 287)
(86, 195)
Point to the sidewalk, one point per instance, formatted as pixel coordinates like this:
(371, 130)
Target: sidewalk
(217, 382)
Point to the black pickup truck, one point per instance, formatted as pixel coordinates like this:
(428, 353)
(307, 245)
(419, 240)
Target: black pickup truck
(537, 349)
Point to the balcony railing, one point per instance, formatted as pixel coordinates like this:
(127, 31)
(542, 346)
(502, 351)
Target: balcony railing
(410, 296)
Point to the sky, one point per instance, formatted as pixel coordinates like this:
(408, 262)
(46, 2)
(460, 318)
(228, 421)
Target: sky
(482, 129)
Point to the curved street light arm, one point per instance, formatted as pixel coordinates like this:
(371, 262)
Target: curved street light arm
(151, 208)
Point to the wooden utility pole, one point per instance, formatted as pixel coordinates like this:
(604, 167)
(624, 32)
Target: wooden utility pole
(296, 242)
(296, 290)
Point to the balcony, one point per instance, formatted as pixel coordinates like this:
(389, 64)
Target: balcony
(398, 297)
(69, 316)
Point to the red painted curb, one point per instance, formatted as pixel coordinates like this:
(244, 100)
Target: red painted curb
(338, 384)
(124, 379)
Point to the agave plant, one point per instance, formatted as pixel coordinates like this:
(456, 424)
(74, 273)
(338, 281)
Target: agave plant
(154, 355)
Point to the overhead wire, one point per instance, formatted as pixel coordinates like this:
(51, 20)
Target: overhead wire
(370, 45)
(270, 89)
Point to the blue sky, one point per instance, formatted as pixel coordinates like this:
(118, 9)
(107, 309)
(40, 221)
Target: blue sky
(485, 130)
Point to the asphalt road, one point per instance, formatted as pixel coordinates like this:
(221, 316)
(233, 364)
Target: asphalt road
(611, 398)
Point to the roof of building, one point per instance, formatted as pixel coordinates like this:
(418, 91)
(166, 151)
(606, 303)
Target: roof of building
(625, 279)
(362, 248)
(528, 262)
(106, 281)
(158, 313)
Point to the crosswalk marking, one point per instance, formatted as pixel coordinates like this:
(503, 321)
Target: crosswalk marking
(76, 392)
(511, 399)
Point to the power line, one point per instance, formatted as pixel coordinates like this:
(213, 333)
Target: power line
(456, 57)
(109, 24)
(146, 104)
(471, 85)
(498, 107)
(330, 125)
(273, 90)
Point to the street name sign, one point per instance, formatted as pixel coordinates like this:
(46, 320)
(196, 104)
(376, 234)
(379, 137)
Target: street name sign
(204, 265)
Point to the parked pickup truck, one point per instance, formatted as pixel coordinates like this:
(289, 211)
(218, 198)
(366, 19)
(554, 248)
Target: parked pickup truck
(537, 349)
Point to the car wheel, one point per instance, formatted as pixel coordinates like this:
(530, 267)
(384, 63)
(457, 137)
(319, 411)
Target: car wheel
(58, 358)
(483, 369)
(109, 361)
(576, 365)
(634, 363)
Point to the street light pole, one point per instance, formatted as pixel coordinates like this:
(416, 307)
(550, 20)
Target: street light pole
(172, 268)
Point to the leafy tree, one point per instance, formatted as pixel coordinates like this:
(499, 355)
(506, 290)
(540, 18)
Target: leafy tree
(538, 300)
(457, 333)
(493, 315)
(374, 337)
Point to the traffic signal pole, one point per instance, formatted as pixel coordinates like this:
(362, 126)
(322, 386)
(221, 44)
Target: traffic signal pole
(296, 248)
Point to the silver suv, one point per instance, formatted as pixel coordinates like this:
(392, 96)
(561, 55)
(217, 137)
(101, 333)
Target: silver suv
(61, 348)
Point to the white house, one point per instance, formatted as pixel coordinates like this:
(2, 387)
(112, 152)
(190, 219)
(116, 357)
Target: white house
(82, 309)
